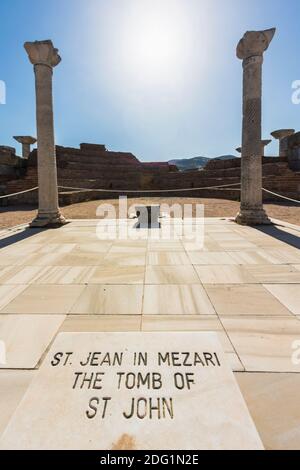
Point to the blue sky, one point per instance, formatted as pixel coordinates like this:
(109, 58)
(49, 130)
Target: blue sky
(158, 78)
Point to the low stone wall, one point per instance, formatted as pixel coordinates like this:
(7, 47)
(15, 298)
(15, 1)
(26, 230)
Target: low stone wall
(92, 166)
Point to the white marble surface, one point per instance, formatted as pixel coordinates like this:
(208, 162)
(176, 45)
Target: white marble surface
(26, 338)
(13, 385)
(248, 295)
(208, 414)
(274, 404)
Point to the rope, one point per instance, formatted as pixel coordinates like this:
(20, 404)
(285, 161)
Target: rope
(129, 191)
(282, 197)
(21, 192)
(229, 186)
(149, 190)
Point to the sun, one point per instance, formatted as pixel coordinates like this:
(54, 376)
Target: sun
(154, 40)
(154, 45)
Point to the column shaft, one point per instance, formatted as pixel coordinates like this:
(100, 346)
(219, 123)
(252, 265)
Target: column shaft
(251, 197)
(44, 56)
(25, 151)
(47, 173)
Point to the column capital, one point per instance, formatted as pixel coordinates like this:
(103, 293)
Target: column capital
(282, 133)
(254, 43)
(26, 139)
(42, 53)
(266, 142)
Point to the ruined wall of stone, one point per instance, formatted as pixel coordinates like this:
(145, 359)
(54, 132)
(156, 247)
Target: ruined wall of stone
(93, 167)
(11, 166)
(294, 151)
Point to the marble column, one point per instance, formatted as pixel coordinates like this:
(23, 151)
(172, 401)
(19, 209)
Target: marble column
(282, 135)
(26, 142)
(45, 57)
(264, 144)
(250, 50)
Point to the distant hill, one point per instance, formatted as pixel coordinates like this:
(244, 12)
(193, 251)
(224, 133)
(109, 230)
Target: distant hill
(225, 157)
(196, 163)
(189, 163)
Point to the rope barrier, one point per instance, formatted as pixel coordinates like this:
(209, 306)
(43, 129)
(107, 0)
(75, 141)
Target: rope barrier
(21, 192)
(128, 190)
(280, 195)
(228, 186)
(149, 190)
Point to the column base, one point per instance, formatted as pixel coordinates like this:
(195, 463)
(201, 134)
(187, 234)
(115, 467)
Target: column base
(48, 220)
(252, 217)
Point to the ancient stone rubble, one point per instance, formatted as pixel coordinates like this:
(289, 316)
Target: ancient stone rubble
(92, 166)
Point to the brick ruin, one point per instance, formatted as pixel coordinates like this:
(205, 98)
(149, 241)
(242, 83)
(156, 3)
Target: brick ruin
(94, 167)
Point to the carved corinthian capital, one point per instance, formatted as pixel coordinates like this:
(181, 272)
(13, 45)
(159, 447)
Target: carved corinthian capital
(42, 53)
(254, 43)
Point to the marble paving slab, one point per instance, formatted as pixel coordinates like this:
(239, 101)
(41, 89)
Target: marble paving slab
(167, 258)
(109, 300)
(171, 275)
(274, 274)
(62, 275)
(213, 258)
(9, 293)
(113, 274)
(13, 385)
(187, 323)
(248, 258)
(92, 323)
(176, 300)
(26, 338)
(43, 299)
(124, 259)
(192, 401)
(274, 405)
(223, 274)
(265, 344)
(194, 323)
(16, 275)
(288, 295)
(244, 299)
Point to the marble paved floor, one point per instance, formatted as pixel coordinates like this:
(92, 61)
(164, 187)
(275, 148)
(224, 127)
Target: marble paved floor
(241, 282)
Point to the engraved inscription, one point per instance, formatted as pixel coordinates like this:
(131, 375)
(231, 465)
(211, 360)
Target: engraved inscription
(157, 373)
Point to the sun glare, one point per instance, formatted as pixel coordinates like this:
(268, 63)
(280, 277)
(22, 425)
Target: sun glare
(154, 40)
(153, 46)
(152, 51)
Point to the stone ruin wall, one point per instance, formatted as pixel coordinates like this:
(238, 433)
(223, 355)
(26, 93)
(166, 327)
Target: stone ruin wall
(293, 145)
(11, 166)
(92, 166)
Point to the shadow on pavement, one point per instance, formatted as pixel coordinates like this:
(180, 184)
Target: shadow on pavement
(275, 232)
(19, 236)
